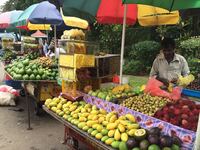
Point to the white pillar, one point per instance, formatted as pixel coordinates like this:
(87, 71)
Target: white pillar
(123, 43)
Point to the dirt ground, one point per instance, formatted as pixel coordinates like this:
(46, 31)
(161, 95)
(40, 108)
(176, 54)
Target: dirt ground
(47, 133)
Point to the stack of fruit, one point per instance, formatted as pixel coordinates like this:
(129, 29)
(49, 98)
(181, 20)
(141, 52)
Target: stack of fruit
(22, 69)
(44, 61)
(32, 55)
(119, 132)
(145, 103)
(7, 56)
(184, 113)
(195, 85)
(113, 93)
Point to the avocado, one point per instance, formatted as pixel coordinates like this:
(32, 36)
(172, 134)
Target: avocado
(144, 144)
(176, 140)
(153, 139)
(154, 131)
(166, 141)
(123, 146)
(131, 143)
(153, 147)
(175, 147)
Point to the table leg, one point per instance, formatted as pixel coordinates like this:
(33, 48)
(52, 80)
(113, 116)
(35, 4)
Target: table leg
(28, 107)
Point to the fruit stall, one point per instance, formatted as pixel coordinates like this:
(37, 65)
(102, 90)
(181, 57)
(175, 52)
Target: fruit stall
(33, 70)
(119, 116)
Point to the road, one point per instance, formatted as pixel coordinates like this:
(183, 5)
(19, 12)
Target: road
(47, 133)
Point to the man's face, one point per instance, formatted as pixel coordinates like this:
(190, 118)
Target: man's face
(168, 53)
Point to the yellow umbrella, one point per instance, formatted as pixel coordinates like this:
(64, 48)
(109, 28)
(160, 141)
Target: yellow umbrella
(149, 16)
(74, 21)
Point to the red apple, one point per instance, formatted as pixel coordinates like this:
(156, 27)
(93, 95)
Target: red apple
(184, 122)
(184, 116)
(177, 111)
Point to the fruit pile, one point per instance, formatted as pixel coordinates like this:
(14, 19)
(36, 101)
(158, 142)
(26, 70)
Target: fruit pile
(195, 85)
(7, 55)
(121, 133)
(44, 61)
(112, 93)
(155, 140)
(184, 113)
(32, 55)
(145, 103)
(22, 69)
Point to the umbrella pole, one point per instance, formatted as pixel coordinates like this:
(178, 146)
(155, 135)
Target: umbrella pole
(123, 43)
(55, 38)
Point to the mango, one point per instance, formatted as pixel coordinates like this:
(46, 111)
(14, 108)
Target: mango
(105, 123)
(88, 106)
(76, 122)
(111, 133)
(90, 117)
(94, 107)
(75, 116)
(115, 144)
(61, 113)
(54, 109)
(122, 118)
(102, 111)
(91, 123)
(133, 126)
(93, 133)
(111, 126)
(109, 141)
(104, 131)
(94, 126)
(90, 130)
(131, 132)
(130, 118)
(83, 110)
(99, 128)
(113, 118)
(124, 137)
(95, 112)
(121, 128)
(65, 116)
(58, 111)
(69, 119)
(98, 136)
(82, 119)
(117, 135)
(95, 118)
(81, 125)
(52, 104)
(72, 107)
(59, 106)
(101, 119)
(85, 128)
(104, 138)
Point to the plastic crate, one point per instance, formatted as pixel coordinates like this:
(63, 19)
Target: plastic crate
(191, 93)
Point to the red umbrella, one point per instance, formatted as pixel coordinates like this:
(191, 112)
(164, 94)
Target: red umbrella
(104, 11)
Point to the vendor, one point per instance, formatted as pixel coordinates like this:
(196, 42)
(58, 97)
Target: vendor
(168, 65)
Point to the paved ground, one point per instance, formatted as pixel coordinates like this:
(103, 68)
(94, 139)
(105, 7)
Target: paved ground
(47, 133)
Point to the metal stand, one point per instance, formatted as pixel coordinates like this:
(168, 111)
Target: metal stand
(28, 106)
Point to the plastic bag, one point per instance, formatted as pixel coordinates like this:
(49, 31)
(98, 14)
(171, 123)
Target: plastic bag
(153, 88)
(7, 99)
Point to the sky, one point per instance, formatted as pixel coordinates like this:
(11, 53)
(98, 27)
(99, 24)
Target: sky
(2, 2)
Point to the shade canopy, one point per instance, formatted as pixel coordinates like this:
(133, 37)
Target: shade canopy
(39, 34)
(102, 11)
(150, 16)
(7, 18)
(167, 4)
(23, 20)
(45, 13)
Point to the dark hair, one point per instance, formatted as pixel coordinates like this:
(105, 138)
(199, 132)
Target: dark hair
(167, 43)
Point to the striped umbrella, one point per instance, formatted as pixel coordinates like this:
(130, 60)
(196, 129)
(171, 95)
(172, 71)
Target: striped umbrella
(7, 18)
(23, 22)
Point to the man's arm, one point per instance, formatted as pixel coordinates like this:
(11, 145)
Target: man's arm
(185, 69)
(154, 69)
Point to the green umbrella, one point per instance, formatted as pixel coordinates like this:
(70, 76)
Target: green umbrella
(167, 4)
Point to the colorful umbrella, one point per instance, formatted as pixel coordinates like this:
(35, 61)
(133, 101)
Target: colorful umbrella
(104, 11)
(39, 34)
(23, 20)
(167, 4)
(45, 13)
(150, 16)
(7, 18)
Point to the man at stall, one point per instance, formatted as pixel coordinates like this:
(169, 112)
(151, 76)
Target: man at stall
(168, 66)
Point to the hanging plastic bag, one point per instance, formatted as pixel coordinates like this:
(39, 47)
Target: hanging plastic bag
(153, 88)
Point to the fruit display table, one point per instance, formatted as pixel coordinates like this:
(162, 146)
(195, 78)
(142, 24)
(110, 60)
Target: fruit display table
(187, 136)
(77, 133)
